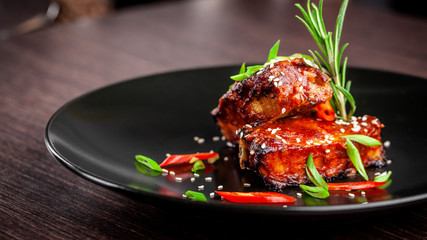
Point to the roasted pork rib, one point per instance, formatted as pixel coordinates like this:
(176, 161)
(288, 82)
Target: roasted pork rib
(281, 89)
(278, 151)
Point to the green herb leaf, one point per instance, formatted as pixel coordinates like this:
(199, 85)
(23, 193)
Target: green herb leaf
(198, 166)
(363, 139)
(144, 170)
(148, 162)
(240, 76)
(273, 51)
(383, 177)
(242, 68)
(195, 196)
(353, 154)
(313, 174)
(317, 192)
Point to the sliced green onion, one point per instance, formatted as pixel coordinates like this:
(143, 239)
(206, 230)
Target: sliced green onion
(144, 170)
(242, 68)
(198, 166)
(253, 69)
(363, 139)
(313, 174)
(353, 154)
(195, 196)
(317, 192)
(383, 177)
(273, 51)
(240, 76)
(148, 162)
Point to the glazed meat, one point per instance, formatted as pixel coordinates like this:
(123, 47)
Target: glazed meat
(281, 89)
(278, 151)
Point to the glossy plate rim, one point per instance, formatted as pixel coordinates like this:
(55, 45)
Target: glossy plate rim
(329, 210)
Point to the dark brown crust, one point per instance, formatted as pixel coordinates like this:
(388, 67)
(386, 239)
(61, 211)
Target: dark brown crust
(278, 151)
(282, 89)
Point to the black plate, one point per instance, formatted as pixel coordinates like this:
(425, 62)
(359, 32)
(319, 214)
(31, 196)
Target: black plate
(98, 134)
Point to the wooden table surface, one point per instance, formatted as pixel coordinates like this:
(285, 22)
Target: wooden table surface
(40, 71)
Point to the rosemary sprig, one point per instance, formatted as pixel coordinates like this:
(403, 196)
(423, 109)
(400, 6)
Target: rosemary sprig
(330, 55)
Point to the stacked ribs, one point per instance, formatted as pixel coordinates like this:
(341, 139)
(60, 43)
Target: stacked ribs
(270, 115)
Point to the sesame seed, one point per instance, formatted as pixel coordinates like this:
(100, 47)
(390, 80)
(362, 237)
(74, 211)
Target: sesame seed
(246, 184)
(364, 118)
(327, 151)
(377, 173)
(192, 179)
(285, 206)
(351, 195)
(196, 138)
(164, 170)
(220, 187)
(201, 141)
(364, 124)
(365, 203)
(283, 110)
(387, 144)
(263, 146)
(184, 196)
(388, 161)
(299, 194)
(223, 138)
(225, 158)
(342, 130)
(363, 193)
(201, 187)
(298, 140)
(356, 128)
(212, 195)
(365, 130)
(178, 179)
(208, 179)
(168, 154)
(172, 173)
(216, 139)
(252, 152)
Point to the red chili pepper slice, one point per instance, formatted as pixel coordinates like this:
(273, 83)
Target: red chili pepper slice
(325, 111)
(256, 197)
(354, 185)
(185, 158)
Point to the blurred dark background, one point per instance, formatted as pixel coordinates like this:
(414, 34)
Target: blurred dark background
(22, 16)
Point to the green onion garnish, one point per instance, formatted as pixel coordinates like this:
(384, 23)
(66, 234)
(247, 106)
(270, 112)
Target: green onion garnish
(383, 177)
(148, 162)
(195, 196)
(321, 188)
(198, 166)
(330, 54)
(354, 155)
(273, 51)
(313, 174)
(317, 192)
(363, 139)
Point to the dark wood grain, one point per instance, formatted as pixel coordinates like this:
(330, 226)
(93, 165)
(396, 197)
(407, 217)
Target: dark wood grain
(40, 71)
